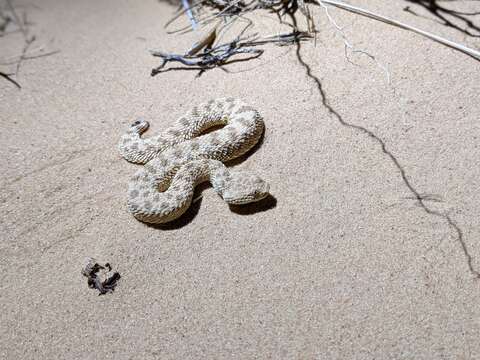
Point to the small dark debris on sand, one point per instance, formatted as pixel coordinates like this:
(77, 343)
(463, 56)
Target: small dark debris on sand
(100, 277)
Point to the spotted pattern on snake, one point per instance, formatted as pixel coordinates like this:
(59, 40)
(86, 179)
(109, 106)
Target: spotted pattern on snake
(184, 155)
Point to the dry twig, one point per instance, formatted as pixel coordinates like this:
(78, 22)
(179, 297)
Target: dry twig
(221, 55)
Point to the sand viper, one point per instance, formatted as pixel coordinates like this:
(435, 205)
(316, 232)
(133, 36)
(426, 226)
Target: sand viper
(184, 155)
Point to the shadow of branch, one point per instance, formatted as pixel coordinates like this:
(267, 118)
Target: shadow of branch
(445, 16)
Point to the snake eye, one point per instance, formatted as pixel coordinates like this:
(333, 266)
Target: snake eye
(136, 123)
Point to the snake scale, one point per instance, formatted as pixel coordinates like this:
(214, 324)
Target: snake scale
(185, 155)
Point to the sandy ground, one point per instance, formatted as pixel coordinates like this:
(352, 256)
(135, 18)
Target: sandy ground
(342, 264)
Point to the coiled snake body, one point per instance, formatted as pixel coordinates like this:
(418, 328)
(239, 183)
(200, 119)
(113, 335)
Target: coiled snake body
(182, 157)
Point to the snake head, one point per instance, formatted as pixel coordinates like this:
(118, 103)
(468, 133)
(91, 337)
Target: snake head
(244, 188)
(139, 126)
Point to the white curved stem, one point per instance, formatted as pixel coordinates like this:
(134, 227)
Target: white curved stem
(367, 13)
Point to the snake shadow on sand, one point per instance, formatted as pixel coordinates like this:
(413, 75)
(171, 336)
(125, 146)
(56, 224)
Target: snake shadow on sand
(268, 203)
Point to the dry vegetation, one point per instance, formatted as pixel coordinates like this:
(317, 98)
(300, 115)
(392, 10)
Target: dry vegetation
(221, 15)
